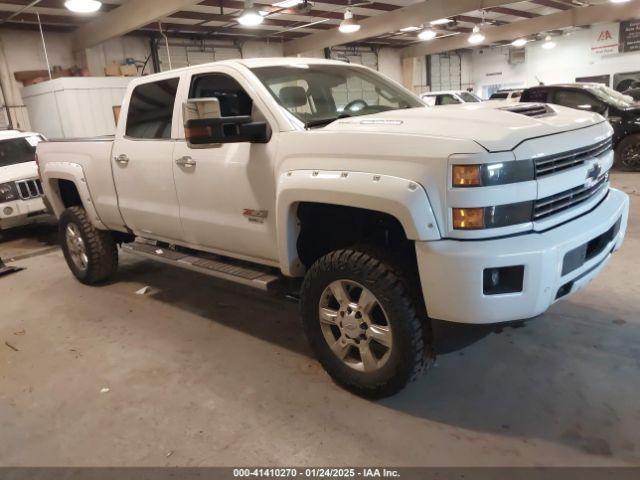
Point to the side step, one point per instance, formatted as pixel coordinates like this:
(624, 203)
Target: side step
(213, 265)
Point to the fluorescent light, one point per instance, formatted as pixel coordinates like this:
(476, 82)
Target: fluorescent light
(476, 37)
(549, 44)
(410, 29)
(519, 42)
(619, 1)
(441, 21)
(83, 6)
(427, 34)
(349, 25)
(288, 3)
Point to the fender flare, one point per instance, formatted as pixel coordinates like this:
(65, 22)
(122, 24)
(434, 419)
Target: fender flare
(74, 173)
(403, 199)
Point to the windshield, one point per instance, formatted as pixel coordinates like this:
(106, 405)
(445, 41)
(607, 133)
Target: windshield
(611, 97)
(16, 150)
(320, 94)
(470, 97)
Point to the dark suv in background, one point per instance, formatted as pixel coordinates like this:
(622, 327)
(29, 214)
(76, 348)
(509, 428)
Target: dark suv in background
(622, 111)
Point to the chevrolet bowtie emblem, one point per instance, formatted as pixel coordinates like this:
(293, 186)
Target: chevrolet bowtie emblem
(595, 172)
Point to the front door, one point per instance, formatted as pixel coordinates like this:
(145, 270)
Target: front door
(227, 192)
(143, 162)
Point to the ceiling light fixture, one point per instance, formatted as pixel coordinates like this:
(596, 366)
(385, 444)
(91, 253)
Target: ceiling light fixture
(427, 34)
(619, 1)
(349, 24)
(549, 44)
(288, 3)
(441, 21)
(250, 16)
(410, 29)
(519, 42)
(476, 37)
(83, 6)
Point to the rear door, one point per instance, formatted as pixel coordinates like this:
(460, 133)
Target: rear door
(142, 161)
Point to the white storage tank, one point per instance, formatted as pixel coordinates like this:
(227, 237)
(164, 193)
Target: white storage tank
(73, 107)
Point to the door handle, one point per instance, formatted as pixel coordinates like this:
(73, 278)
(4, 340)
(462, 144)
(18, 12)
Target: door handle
(186, 162)
(122, 159)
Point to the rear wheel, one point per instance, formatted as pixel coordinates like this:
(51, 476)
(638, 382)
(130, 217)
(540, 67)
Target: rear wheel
(628, 153)
(363, 323)
(91, 254)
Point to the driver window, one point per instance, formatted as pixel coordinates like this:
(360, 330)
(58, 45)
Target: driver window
(234, 100)
(447, 100)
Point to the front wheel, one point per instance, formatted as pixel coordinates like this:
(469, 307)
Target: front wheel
(91, 254)
(363, 323)
(628, 154)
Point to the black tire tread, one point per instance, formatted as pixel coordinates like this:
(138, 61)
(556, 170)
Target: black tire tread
(391, 277)
(101, 247)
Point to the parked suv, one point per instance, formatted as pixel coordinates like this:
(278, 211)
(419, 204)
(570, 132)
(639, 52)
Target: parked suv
(21, 194)
(622, 111)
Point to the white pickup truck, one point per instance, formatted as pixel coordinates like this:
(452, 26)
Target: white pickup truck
(387, 213)
(21, 194)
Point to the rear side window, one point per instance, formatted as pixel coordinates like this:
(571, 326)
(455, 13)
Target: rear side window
(499, 96)
(151, 110)
(16, 150)
(576, 99)
(234, 101)
(536, 95)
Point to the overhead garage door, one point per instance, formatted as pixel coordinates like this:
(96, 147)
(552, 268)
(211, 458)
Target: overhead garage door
(186, 55)
(356, 89)
(446, 72)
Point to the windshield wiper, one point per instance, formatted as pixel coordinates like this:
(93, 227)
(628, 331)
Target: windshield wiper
(325, 121)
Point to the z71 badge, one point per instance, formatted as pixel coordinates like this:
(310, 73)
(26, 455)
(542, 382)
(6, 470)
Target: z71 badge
(255, 216)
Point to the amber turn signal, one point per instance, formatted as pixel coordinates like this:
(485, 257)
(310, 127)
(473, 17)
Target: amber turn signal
(466, 176)
(468, 218)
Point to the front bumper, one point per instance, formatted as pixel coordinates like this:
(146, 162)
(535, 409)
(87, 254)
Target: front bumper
(23, 212)
(451, 271)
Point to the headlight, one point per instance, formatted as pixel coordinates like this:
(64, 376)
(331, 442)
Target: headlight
(8, 192)
(492, 217)
(491, 174)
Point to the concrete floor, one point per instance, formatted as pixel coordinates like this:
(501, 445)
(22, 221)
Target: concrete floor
(201, 373)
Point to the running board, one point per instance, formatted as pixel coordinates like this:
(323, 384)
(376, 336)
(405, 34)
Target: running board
(215, 266)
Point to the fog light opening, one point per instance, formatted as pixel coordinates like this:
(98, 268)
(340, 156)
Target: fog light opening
(502, 280)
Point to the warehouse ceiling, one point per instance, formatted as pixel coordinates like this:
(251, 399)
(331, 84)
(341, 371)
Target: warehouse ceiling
(217, 19)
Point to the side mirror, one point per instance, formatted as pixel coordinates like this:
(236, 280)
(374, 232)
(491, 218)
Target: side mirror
(205, 127)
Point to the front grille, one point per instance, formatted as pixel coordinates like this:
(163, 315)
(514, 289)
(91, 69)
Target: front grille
(535, 111)
(30, 188)
(562, 161)
(562, 201)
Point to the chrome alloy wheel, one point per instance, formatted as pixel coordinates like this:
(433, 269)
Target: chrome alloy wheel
(355, 326)
(76, 247)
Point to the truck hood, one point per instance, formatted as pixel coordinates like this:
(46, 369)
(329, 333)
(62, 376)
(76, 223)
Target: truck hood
(19, 171)
(490, 125)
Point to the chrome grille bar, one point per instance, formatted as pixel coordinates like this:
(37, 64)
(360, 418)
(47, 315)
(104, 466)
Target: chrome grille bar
(556, 163)
(565, 200)
(29, 189)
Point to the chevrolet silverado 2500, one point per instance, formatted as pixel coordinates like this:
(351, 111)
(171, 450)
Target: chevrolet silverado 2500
(21, 195)
(387, 213)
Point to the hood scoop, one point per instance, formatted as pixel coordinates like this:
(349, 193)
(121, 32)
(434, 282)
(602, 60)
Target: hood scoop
(537, 110)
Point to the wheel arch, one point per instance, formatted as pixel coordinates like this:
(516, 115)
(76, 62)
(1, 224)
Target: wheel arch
(65, 186)
(402, 200)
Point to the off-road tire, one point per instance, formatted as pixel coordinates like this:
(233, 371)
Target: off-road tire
(394, 287)
(629, 141)
(101, 249)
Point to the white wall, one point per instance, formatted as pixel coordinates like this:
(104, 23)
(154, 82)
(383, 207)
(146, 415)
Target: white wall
(572, 58)
(118, 50)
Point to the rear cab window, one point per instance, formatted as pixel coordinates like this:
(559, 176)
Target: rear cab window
(150, 115)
